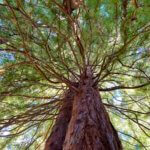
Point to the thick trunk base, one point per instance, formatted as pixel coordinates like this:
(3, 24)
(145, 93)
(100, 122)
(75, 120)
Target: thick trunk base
(83, 123)
(90, 127)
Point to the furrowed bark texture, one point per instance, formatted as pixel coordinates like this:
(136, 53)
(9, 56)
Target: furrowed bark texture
(56, 139)
(83, 123)
(90, 127)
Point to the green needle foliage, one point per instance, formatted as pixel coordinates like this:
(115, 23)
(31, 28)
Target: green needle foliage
(43, 51)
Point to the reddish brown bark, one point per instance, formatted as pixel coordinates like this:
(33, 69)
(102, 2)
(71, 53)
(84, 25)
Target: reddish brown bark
(84, 123)
(90, 127)
(56, 139)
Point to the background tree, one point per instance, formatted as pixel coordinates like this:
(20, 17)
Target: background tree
(45, 52)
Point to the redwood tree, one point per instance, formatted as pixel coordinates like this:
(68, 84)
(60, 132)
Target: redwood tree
(74, 76)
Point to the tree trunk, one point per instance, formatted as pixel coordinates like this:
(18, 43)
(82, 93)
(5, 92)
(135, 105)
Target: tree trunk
(84, 123)
(56, 139)
(90, 127)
